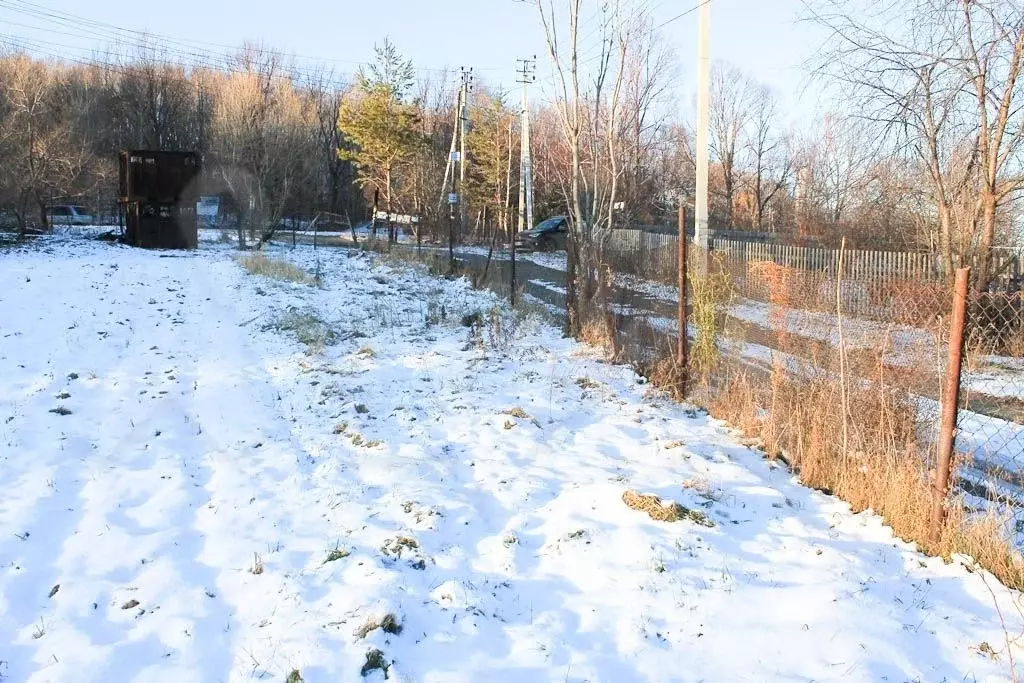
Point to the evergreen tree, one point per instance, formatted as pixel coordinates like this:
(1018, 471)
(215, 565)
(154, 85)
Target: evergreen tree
(380, 126)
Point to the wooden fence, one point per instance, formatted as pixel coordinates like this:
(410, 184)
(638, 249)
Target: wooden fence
(655, 253)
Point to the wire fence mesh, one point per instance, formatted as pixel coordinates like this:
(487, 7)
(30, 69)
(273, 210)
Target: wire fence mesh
(836, 362)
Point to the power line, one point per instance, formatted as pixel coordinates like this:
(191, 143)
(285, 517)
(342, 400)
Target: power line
(102, 30)
(679, 16)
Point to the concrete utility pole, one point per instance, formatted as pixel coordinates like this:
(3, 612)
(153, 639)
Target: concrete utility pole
(702, 236)
(527, 75)
(467, 86)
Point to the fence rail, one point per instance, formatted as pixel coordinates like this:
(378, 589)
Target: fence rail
(659, 250)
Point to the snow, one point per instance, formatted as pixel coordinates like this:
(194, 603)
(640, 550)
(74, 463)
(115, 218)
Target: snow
(177, 523)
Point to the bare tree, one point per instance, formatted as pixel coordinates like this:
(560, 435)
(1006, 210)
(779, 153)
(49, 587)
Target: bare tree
(771, 161)
(49, 158)
(732, 94)
(940, 81)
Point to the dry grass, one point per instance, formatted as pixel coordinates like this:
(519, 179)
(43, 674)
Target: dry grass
(258, 263)
(389, 624)
(709, 295)
(308, 328)
(883, 467)
(663, 511)
(595, 333)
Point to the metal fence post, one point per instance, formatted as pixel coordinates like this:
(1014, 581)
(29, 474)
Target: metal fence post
(681, 342)
(950, 402)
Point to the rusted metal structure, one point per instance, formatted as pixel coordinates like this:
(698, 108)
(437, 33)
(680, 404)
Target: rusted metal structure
(159, 191)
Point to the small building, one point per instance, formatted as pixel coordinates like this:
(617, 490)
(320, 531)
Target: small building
(159, 191)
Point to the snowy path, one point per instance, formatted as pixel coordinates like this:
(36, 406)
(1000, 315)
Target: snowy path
(188, 504)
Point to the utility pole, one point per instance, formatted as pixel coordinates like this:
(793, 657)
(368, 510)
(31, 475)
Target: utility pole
(453, 196)
(527, 75)
(702, 232)
(467, 86)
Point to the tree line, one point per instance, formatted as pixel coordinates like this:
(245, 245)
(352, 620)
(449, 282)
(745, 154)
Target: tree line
(924, 157)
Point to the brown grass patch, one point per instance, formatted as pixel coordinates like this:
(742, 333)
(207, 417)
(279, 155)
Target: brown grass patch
(883, 467)
(595, 333)
(663, 511)
(258, 263)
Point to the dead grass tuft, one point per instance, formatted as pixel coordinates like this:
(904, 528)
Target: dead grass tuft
(388, 624)
(396, 546)
(308, 328)
(595, 333)
(259, 264)
(664, 511)
(375, 661)
(337, 554)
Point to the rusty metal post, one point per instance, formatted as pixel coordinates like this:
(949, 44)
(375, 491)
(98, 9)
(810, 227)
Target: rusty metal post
(681, 341)
(950, 402)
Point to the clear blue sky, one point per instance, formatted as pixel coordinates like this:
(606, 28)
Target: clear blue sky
(761, 36)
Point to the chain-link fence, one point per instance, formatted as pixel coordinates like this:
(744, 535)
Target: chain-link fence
(836, 361)
(990, 435)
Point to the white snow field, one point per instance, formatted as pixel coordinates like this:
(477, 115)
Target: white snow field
(193, 494)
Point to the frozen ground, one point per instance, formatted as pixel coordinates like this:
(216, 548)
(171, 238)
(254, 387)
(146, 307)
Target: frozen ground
(194, 495)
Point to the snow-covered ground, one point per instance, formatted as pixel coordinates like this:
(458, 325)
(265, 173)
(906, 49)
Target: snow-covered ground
(195, 495)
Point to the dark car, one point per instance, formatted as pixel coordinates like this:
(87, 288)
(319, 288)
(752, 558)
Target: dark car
(549, 235)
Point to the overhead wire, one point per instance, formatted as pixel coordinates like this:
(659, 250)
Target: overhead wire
(98, 30)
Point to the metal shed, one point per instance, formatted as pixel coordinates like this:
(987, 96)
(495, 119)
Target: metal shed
(159, 191)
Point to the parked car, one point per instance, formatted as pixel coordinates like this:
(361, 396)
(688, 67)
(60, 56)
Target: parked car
(549, 235)
(69, 214)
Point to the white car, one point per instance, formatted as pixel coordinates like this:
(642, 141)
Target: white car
(69, 214)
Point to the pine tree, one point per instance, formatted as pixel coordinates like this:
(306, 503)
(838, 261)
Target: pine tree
(379, 125)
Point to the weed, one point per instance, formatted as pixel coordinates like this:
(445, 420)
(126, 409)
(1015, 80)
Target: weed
(308, 328)
(389, 624)
(396, 546)
(660, 511)
(60, 410)
(587, 383)
(517, 412)
(709, 294)
(257, 564)
(375, 661)
(337, 554)
(294, 677)
(260, 264)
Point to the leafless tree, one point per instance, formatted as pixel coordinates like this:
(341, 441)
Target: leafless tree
(732, 96)
(941, 81)
(769, 152)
